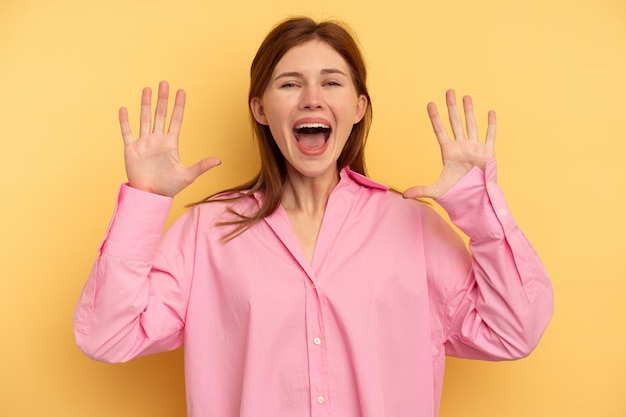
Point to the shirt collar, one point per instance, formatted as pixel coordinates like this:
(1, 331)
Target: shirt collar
(347, 177)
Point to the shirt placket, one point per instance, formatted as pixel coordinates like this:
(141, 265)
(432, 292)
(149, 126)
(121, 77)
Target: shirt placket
(316, 343)
(317, 352)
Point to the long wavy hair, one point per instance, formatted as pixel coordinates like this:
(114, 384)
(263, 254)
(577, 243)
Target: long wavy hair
(273, 171)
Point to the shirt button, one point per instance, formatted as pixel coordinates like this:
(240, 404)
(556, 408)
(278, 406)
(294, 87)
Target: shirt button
(502, 212)
(490, 185)
(317, 341)
(321, 399)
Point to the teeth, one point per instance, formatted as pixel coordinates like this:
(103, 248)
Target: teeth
(312, 126)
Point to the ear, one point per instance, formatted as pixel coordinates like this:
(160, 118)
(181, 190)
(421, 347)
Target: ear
(257, 111)
(361, 106)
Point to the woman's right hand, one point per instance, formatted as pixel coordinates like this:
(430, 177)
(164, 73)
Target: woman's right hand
(152, 160)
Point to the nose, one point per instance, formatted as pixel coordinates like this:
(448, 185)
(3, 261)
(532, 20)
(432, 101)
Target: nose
(311, 97)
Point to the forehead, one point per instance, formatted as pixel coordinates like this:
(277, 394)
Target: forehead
(312, 56)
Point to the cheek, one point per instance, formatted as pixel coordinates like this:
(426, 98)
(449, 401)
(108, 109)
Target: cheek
(277, 114)
(351, 109)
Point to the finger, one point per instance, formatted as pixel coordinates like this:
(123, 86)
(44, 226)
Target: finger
(127, 133)
(454, 116)
(144, 118)
(177, 113)
(437, 123)
(491, 129)
(160, 113)
(470, 119)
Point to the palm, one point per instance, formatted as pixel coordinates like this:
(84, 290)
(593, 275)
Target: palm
(152, 160)
(461, 154)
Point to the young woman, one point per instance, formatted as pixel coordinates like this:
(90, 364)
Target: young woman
(312, 290)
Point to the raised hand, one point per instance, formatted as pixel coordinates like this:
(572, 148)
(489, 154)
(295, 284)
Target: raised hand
(461, 154)
(152, 160)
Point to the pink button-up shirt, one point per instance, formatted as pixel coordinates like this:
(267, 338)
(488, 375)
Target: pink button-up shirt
(362, 331)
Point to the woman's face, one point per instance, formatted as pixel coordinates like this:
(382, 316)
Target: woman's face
(310, 106)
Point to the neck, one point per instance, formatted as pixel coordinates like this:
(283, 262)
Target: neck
(308, 195)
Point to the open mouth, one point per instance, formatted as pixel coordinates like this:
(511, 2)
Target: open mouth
(311, 136)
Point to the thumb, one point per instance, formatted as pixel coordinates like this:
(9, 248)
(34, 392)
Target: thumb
(203, 166)
(421, 191)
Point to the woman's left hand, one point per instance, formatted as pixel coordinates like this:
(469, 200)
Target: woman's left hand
(461, 154)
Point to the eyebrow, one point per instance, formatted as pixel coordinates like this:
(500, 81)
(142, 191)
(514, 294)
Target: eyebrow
(299, 74)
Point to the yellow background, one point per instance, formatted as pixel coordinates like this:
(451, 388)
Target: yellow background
(555, 72)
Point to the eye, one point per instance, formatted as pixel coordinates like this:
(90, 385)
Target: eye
(333, 83)
(289, 84)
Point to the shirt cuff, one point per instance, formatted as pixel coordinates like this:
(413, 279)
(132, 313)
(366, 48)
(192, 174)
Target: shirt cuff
(476, 204)
(137, 224)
